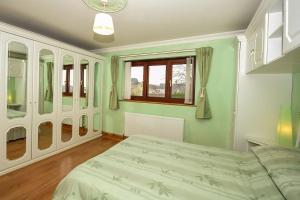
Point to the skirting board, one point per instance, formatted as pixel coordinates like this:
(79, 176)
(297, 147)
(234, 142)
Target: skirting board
(114, 136)
(6, 171)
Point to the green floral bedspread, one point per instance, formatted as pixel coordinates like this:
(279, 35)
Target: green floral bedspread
(141, 168)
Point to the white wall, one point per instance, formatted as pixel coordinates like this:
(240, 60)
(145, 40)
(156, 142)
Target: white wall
(259, 98)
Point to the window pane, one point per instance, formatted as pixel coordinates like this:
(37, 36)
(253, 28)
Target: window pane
(17, 80)
(178, 81)
(71, 80)
(84, 80)
(137, 79)
(157, 81)
(67, 83)
(64, 87)
(46, 81)
(15, 143)
(66, 129)
(97, 85)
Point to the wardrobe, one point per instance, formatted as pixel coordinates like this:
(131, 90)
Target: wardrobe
(50, 97)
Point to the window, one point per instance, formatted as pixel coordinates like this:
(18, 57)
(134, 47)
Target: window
(68, 73)
(165, 80)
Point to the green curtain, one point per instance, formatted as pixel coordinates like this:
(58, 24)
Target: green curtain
(204, 58)
(49, 89)
(113, 101)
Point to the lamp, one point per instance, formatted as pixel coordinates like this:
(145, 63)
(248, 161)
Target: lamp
(103, 24)
(284, 127)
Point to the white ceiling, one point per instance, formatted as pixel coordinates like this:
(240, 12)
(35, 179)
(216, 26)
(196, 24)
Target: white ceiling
(141, 21)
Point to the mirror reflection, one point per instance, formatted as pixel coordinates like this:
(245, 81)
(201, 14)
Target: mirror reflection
(97, 85)
(15, 143)
(83, 125)
(45, 132)
(96, 122)
(46, 79)
(16, 80)
(66, 129)
(67, 83)
(84, 80)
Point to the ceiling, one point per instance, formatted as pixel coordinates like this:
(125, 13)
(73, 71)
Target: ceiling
(141, 21)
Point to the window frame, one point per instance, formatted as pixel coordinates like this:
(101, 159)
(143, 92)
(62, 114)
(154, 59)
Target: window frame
(168, 62)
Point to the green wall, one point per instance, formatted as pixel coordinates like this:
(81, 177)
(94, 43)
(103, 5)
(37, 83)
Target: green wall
(221, 93)
(296, 104)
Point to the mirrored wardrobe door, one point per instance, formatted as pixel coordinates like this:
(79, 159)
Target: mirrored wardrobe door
(97, 97)
(45, 96)
(84, 83)
(67, 104)
(16, 101)
(67, 83)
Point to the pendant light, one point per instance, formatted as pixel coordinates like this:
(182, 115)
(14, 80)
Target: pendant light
(103, 23)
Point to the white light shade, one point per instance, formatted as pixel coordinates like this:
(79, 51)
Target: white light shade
(103, 24)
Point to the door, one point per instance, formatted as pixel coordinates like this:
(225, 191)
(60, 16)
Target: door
(16, 101)
(45, 96)
(250, 52)
(66, 108)
(97, 97)
(259, 48)
(291, 39)
(84, 97)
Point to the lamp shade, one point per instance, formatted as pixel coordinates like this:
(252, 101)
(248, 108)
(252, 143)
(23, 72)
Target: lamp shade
(284, 127)
(103, 24)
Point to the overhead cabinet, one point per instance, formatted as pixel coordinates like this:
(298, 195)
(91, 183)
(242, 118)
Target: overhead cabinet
(291, 25)
(50, 98)
(273, 33)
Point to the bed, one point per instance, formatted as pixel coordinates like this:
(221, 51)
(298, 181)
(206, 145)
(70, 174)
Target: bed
(142, 167)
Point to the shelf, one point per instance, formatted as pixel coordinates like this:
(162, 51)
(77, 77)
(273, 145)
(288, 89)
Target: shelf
(277, 33)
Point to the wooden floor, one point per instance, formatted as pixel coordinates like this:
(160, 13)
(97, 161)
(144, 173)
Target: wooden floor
(38, 181)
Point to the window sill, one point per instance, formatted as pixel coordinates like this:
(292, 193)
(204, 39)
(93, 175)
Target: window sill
(161, 103)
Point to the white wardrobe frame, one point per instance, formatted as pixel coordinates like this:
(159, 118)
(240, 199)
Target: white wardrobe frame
(35, 43)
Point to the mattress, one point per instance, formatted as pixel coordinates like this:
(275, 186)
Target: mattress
(142, 167)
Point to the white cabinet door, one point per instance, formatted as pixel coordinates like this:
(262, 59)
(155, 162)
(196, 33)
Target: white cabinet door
(84, 101)
(291, 25)
(96, 108)
(45, 98)
(15, 100)
(250, 52)
(66, 104)
(259, 48)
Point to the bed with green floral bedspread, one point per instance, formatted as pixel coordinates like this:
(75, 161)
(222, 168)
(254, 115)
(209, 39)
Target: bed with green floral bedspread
(146, 168)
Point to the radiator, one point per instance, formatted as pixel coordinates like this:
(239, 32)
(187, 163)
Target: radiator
(153, 125)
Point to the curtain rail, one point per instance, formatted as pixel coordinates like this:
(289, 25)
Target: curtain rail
(157, 53)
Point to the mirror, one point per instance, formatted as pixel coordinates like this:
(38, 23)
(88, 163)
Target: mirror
(45, 132)
(96, 122)
(83, 125)
(67, 83)
(15, 143)
(97, 85)
(46, 81)
(66, 130)
(84, 80)
(17, 80)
